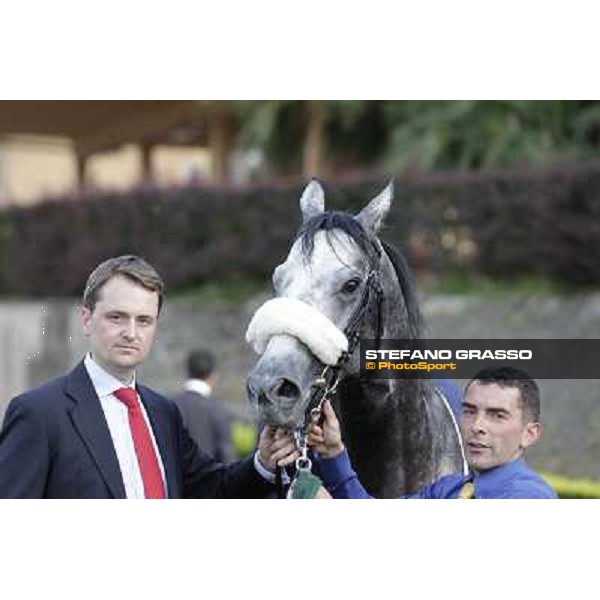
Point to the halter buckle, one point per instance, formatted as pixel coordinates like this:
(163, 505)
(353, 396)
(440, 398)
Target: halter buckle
(303, 463)
(319, 382)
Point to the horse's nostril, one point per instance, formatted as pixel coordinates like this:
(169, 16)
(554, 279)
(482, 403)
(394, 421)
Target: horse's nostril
(263, 400)
(287, 389)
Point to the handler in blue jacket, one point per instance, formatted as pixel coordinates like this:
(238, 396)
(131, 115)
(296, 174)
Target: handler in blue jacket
(500, 419)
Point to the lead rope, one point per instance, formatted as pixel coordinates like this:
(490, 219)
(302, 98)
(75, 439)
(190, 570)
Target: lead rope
(305, 485)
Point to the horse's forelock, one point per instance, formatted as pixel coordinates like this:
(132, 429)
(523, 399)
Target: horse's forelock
(329, 221)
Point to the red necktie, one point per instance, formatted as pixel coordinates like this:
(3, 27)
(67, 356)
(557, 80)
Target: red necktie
(144, 449)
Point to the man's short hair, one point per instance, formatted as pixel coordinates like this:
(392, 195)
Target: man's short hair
(510, 377)
(132, 267)
(201, 364)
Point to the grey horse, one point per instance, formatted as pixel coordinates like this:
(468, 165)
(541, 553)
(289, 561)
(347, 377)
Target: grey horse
(400, 434)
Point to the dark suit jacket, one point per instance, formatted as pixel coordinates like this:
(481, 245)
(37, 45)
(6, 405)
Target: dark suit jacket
(208, 424)
(55, 443)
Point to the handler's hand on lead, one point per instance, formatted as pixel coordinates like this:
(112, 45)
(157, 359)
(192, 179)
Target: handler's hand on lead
(276, 447)
(326, 438)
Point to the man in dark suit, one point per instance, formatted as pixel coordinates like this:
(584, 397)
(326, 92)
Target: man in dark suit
(97, 433)
(206, 419)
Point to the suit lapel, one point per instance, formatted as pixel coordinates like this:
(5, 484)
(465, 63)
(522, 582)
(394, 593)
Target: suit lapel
(88, 419)
(160, 426)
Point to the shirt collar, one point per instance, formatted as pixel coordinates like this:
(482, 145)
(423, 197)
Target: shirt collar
(104, 383)
(488, 482)
(199, 386)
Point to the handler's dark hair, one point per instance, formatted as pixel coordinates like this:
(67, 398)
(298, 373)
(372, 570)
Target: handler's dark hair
(200, 363)
(132, 267)
(511, 377)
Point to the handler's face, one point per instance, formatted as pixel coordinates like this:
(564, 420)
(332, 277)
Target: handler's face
(493, 427)
(122, 326)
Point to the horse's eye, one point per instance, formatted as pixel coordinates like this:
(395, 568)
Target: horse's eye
(350, 286)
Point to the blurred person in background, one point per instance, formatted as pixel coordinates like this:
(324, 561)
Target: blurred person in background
(205, 417)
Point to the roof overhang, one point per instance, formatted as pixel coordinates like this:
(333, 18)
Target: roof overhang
(102, 125)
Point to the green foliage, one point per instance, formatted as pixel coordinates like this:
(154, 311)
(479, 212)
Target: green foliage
(427, 135)
(222, 291)
(355, 131)
(276, 128)
(464, 282)
(568, 488)
(475, 134)
(243, 437)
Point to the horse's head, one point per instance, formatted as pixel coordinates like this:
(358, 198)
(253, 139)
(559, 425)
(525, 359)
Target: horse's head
(326, 291)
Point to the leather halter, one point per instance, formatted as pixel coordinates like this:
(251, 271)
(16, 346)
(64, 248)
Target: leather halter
(326, 384)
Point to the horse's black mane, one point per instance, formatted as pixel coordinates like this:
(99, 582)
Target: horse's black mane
(409, 290)
(330, 220)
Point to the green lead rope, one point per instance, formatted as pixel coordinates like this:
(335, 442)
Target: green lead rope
(305, 486)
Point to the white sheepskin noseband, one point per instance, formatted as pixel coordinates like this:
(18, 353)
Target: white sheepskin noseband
(300, 320)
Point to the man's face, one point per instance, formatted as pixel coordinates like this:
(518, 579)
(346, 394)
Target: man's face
(493, 427)
(122, 325)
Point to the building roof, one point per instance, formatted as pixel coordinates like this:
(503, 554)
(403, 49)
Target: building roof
(99, 125)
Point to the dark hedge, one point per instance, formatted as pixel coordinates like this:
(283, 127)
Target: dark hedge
(505, 223)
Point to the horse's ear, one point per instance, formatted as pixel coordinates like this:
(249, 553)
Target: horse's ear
(372, 215)
(312, 202)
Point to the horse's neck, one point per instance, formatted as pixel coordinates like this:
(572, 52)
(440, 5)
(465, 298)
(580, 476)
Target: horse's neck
(388, 434)
(372, 433)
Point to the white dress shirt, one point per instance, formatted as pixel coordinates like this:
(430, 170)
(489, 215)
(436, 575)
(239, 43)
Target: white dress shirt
(199, 386)
(117, 418)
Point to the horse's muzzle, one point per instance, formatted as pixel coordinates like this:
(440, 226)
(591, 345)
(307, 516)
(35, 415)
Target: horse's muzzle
(276, 400)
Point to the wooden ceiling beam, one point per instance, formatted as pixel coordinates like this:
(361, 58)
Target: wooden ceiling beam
(96, 125)
(137, 127)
